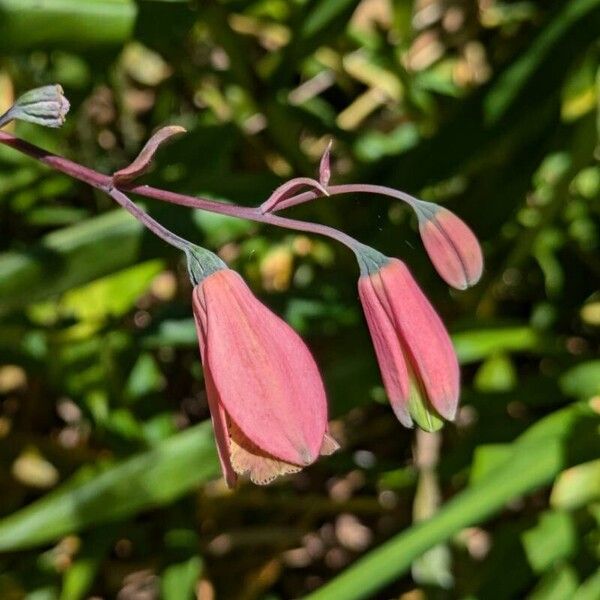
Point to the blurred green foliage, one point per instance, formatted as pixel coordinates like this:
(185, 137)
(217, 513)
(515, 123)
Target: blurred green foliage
(107, 463)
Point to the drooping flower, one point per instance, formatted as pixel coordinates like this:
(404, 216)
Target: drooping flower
(451, 245)
(418, 364)
(265, 393)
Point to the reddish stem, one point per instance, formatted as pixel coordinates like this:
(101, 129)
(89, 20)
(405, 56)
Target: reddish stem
(106, 184)
(350, 188)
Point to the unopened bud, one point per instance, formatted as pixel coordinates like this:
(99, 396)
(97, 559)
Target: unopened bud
(45, 106)
(451, 245)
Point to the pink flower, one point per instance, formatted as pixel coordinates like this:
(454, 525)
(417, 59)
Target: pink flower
(416, 358)
(451, 245)
(265, 393)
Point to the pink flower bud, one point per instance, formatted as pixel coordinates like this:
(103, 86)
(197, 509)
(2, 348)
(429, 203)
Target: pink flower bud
(416, 358)
(451, 245)
(264, 389)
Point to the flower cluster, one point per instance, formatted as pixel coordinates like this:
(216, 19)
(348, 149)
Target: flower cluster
(280, 424)
(266, 396)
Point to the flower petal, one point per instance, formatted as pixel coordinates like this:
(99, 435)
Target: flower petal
(388, 349)
(268, 382)
(329, 445)
(217, 414)
(222, 437)
(249, 459)
(427, 342)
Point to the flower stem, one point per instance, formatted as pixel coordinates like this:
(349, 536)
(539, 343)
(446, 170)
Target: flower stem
(143, 217)
(106, 184)
(349, 188)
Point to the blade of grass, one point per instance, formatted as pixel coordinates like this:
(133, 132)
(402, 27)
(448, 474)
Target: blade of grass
(154, 478)
(27, 24)
(535, 461)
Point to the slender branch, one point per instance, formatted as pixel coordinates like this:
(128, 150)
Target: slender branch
(143, 217)
(58, 163)
(97, 180)
(100, 180)
(252, 214)
(350, 188)
(106, 184)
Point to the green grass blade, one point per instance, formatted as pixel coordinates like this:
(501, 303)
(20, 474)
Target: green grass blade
(535, 461)
(154, 478)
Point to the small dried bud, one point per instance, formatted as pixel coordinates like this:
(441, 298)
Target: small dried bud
(325, 166)
(144, 159)
(288, 189)
(45, 106)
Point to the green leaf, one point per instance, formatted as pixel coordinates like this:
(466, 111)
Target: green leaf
(179, 579)
(71, 257)
(589, 589)
(577, 486)
(475, 345)
(321, 17)
(496, 374)
(554, 538)
(145, 378)
(221, 229)
(487, 457)
(44, 24)
(535, 461)
(520, 73)
(176, 333)
(582, 381)
(80, 576)
(113, 295)
(154, 478)
(558, 584)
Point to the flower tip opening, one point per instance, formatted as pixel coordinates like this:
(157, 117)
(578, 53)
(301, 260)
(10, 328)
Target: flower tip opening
(306, 456)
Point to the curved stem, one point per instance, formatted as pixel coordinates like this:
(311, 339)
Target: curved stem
(287, 188)
(252, 214)
(350, 188)
(106, 184)
(143, 217)
(97, 180)
(311, 227)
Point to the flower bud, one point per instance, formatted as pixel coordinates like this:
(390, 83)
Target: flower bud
(45, 106)
(418, 364)
(451, 245)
